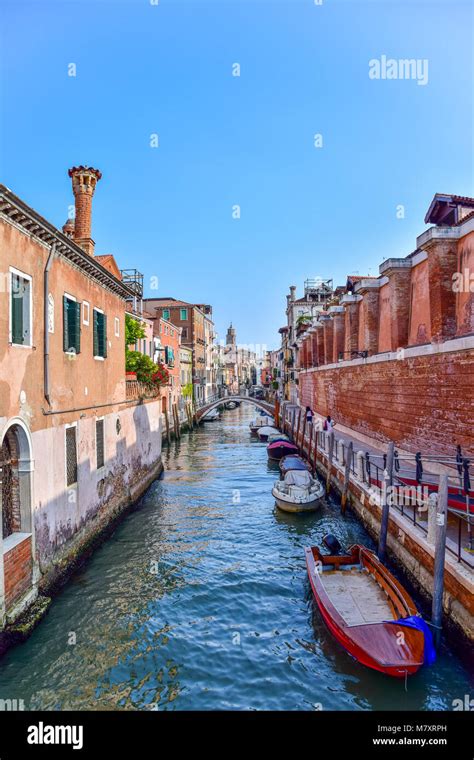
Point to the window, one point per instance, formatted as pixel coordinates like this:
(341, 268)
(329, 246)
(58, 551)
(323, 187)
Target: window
(166, 313)
(183, 314)
(184, 333)
(20, 308)
(117, 327)
(71, 325)
(100, 334)
(85, 313)
(99, 442)
(71, 456)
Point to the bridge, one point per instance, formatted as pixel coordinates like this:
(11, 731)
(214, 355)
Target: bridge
(212, 404)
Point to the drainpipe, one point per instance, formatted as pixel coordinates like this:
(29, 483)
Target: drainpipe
(46, 330)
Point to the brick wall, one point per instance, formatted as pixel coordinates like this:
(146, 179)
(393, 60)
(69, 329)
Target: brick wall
(17, 569)
(422, 403)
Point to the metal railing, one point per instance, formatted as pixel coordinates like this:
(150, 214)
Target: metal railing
(410, 499)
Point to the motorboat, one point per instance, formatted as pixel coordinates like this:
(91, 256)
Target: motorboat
(367, 609)
(265, 430)
(298, 492)
(278, 448)
(262, 420)
(277, 437)
(293, 462)
(212, 416)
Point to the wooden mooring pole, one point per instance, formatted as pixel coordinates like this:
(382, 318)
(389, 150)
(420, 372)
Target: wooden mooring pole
(347, 475)
(167, 422)
(440, 550)
(303, 433)
(330, 456)
(386, 498)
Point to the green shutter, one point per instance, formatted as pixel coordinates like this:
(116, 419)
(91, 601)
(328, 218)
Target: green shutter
(77, 325)
(96, 332)
(17, 310)
(65, 324)
(104, 335)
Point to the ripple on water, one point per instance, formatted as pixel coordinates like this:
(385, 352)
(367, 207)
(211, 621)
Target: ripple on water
(200, 601)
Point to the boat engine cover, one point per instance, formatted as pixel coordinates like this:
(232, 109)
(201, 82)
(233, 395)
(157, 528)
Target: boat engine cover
(332, 543)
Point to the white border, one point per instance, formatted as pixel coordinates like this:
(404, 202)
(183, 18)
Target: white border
(28, 277)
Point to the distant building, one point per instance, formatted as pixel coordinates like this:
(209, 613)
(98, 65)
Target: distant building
(195, 321)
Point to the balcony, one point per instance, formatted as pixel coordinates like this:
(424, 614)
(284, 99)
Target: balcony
(135, 391)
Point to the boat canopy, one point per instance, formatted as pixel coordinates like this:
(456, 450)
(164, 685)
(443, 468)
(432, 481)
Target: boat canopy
(300, 478)
(294, 462)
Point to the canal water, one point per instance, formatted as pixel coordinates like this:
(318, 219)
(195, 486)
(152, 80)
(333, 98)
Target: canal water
(200, 600)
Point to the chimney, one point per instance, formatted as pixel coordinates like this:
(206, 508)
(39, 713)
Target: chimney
(292, 292)
(84, 180)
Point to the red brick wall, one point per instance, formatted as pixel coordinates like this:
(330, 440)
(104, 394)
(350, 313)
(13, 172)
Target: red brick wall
(17, 569)
(423, 403)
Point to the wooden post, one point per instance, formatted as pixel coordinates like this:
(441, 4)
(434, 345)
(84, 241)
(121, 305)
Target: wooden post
(167, 426)
(304, 433)
(176, 421)
(297, 441)
(347, 476)
(386, 498)
(315, 451)
(293, 425)
(310, 445)
(330, 456)
(440, 550)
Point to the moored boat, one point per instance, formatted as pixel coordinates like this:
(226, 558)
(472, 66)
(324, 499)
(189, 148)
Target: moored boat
(367, 610)
(212, 416)
(263, 420)
(298, 492)
(293, 462)
(265, 430)
(278, 448)
(277, 437)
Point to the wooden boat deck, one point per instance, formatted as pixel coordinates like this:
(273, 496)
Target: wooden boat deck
(357, 596)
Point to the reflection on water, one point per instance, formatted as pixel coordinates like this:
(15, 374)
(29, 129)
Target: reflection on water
(200, 601)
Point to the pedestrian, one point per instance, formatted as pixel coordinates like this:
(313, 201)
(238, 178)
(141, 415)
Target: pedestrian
(329, 424)
(309, 414)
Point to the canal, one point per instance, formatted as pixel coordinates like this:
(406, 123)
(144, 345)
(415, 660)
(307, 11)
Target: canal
(200, 600)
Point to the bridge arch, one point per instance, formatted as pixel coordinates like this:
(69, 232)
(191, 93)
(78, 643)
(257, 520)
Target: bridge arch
(267, 407)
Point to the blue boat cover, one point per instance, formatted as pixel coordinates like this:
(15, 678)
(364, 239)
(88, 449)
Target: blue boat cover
(429, 654)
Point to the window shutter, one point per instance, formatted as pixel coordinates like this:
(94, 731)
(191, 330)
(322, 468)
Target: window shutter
(104, 335)
(17, 311)
(96, 332)
(65, 324)
(77, 325)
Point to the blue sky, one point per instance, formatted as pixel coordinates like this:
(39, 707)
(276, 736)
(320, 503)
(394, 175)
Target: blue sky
(166, 69)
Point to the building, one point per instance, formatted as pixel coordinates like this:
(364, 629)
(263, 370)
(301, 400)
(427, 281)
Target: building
(75, 449)
(240, 364)
(300, 313)
(168, 353)
(193, 320)
(186, 374)
(394, 357)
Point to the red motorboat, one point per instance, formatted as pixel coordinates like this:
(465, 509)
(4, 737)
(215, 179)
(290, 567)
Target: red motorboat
(279, 449)
(368, 610)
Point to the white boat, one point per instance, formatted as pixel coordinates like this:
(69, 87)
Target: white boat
(277, 437)
(265, 430)
(298, 492)
(212, 416)
(261, 421)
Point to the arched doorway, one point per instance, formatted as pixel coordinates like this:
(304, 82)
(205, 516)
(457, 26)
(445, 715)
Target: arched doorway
(16, 521)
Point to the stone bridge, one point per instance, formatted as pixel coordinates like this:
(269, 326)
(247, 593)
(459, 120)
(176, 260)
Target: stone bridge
(260, 403)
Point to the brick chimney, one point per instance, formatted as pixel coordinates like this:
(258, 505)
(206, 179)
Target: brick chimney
(84, 180)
